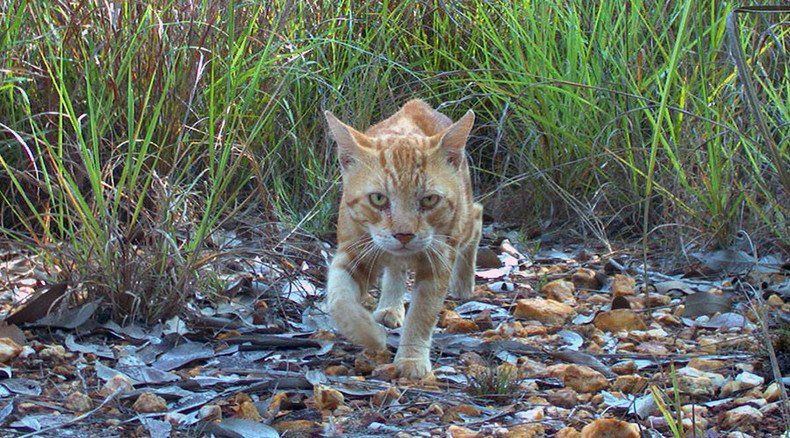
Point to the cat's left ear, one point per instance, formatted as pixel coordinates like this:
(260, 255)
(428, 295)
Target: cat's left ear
(350, 142)
(453, 139)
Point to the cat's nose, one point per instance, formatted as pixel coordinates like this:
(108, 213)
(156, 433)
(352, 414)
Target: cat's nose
(403, 238)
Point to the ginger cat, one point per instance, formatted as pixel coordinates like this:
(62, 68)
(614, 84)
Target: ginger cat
(406, 205)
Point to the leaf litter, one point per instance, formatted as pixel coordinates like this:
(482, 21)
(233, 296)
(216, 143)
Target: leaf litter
(263, 360)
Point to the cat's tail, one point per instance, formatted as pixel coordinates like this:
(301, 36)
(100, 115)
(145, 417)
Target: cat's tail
(345, 307)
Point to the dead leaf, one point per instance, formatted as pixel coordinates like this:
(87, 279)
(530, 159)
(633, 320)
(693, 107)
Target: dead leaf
(12, 332)
(37, 307)
(241, 428)
(705, 303)
(725, 321)
(665, 287)
(71, 318)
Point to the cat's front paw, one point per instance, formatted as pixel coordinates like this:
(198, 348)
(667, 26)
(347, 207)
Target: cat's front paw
(413, 369)
(391, 317)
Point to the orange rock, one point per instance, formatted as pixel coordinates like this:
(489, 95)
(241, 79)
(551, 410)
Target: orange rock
(623, 285)
(388, 371)
(619, 319)
(336, 370)
(567, 432)
(78, 402)
(579, 377)
(149, 402)
(703, 364)
(545, 311)
(585, 278)
(118, 383)
(454, 413)
(526, 431)
(386, 396)
(366, 362)
(446, 316)
(327, 398)
(632, 384)
(461, 432)
(461, 325)
(303, 426)
(9, 350)
(610, 428)
(560, 290)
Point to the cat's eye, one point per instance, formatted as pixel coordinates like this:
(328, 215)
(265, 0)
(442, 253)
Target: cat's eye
(378, 200)
(429, 201)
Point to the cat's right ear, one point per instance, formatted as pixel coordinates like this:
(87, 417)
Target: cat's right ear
(349, 140)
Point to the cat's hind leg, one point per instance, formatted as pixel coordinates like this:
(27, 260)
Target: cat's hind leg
(390, 310)
(462, 283)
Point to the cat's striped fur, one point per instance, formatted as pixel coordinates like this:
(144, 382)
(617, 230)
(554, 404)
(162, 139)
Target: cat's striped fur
(407, 205)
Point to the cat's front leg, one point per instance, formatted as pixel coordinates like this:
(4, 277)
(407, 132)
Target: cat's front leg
(390, 309)
(344, 302)
(431, 279)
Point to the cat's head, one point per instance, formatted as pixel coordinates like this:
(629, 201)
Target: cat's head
(405, 190)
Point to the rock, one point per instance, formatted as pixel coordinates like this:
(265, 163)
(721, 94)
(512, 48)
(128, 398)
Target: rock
(149, 402)
(652, 348)
(531, 415)
(564, 398)
(366, 362)
(617, 320)
(336, 370)
(625, 367)
(387, 372)
(446, 316)
(584, 278)
(327, 398)
(487, 258)
(717, 379)
(610, 428)
(524, 431)
(775, 301)
(9, 350)
(210, 413)
(623, 285)
(669, 320)
(386, 396)
(461, 432)
(297, 427)
(460, 325)
(454, 413)
(545, 311)
(631, 384)
(579, 377)
(244, 408)
(78, 402)
(742, 382)
(743, 418)
(53, 352)
(560, 290)
(749, 380)
(484, 321)
(706, 364)
(773, 392)
(530, 368)
(118, 383)
(567, 432)
(657, 300)
(699, 386)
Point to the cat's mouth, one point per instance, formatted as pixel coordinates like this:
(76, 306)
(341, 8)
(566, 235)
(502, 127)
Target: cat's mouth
(395, 247)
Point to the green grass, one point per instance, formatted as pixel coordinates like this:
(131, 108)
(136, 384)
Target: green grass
(136, 126)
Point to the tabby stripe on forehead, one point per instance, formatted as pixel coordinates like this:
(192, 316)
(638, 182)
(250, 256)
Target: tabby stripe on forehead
(353, 202)
(382, 159)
